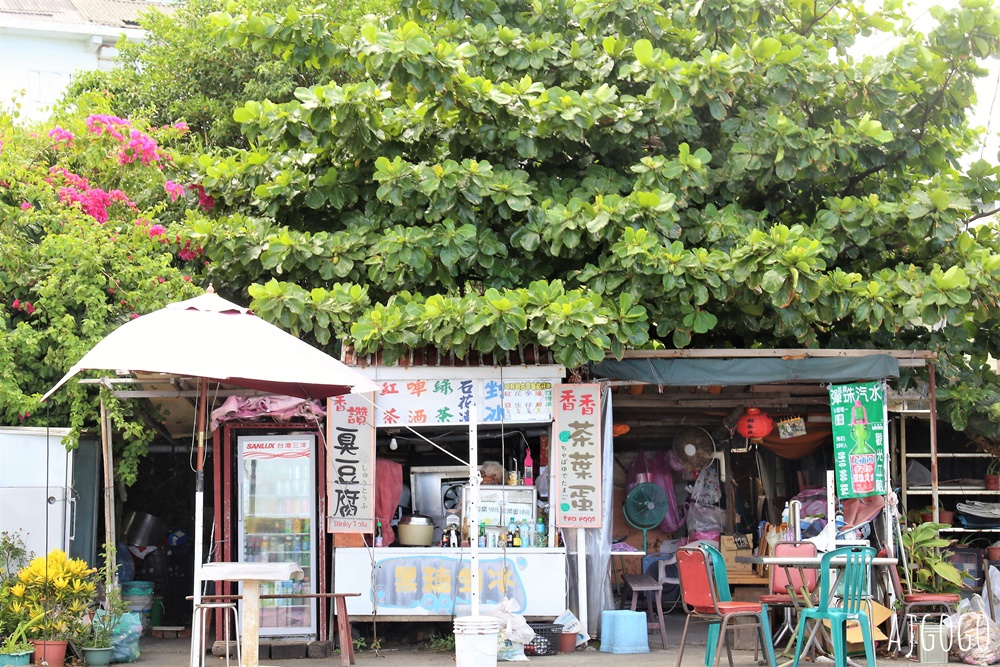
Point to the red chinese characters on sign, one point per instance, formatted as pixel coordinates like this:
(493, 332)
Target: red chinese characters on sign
(350, 464)
(578, 456)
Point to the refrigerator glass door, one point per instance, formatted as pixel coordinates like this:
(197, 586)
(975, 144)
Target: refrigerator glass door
(277, 524)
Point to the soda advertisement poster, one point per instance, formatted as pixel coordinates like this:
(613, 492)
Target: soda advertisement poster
(860, 438)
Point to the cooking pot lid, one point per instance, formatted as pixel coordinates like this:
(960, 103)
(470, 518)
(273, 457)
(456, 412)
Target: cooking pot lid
(416, 520)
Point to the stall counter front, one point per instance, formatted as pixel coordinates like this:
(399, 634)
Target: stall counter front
(430, 582)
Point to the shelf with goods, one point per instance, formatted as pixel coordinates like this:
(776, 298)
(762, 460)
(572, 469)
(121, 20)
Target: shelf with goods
(952, 471)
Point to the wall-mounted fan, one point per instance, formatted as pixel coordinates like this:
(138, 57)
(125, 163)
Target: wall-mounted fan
(645, 507)
(694, 447)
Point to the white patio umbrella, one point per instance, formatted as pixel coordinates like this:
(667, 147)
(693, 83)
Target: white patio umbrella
(210, 338)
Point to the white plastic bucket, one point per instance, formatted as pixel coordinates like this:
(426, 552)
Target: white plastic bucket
(476, 641)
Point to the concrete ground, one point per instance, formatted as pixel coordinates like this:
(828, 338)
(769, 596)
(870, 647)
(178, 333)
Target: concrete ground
(404, 652)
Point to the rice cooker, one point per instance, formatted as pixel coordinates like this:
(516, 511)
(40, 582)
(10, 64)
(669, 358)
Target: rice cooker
(415, 530)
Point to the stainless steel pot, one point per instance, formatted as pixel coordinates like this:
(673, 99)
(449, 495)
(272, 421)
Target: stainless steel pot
(415, 530)
(144, 530)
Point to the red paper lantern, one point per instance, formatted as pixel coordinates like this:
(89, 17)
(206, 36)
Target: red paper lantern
(754, 424)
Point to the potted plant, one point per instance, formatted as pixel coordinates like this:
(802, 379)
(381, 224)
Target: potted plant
(61, 590)
(15, 649)
(991, 480)
(927, 552)
(96, 643)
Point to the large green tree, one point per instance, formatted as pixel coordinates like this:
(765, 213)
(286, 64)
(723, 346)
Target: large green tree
(600, 174)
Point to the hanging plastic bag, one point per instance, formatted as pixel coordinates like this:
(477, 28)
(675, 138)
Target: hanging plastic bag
(661, 476)
(514, 632)
(704, 522)
(638, 472)
(706, 489)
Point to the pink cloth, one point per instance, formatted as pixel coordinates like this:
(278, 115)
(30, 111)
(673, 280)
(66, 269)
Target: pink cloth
(280, 408)
(388, 488)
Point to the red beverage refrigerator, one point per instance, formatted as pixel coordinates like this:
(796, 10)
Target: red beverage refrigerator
(277, 491)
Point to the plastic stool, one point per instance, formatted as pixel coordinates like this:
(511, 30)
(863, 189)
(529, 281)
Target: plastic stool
(204, 609)
(624, 631)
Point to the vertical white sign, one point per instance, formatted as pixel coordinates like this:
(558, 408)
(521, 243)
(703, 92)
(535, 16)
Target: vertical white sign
(350, 464)
(578, 455)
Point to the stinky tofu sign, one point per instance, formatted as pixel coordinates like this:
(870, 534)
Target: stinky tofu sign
(350, 464)
(578, 455)
(445, 402)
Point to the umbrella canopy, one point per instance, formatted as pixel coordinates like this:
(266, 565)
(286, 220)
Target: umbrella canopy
(210, 337)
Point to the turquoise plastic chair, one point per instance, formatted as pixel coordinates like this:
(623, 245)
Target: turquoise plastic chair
(721, 573)
(852, 588)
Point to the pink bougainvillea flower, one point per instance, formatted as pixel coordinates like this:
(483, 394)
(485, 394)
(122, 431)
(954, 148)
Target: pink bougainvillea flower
(157, 230)
(181, 127)
(135, 316)
(105, 123)
(186, 279)
(61, 135)
(28, 308)
(174, 190)
(16, 305)
(204, 200)
(26, 206)
(140, 146)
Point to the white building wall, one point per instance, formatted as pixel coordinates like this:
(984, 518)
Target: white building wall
(37, 63)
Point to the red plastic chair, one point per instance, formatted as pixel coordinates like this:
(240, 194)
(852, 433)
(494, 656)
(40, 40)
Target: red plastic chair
(788, 580)
(702, 603)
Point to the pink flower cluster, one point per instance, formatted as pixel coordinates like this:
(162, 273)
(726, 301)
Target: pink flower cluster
(187, 253)
(93, 201)
(61, 135)
(204, 200)
(137, 145)
(174, 190)
(23, 305)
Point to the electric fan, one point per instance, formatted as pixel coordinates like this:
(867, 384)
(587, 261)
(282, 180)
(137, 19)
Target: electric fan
(694, 447)
(645, 507)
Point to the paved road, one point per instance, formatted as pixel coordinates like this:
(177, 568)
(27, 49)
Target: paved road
(174, 653)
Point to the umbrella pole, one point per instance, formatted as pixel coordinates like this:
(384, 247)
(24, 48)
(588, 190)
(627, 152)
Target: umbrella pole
(197, 645)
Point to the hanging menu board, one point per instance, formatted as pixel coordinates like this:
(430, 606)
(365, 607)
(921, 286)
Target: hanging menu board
(860, 445)
(350, 464)
(445, 402)
(578, 455)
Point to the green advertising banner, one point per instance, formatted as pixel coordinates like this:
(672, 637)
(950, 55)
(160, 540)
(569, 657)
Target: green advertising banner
(860, 443)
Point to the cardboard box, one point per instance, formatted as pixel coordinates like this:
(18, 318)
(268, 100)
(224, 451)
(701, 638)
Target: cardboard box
(877, 615)
(732, 546)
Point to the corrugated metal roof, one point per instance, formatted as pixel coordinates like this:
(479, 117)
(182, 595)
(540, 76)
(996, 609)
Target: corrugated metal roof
(121, 13)
(115, 13)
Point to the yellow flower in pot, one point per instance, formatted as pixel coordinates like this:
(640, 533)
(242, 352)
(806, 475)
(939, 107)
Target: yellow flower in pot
(62, 591)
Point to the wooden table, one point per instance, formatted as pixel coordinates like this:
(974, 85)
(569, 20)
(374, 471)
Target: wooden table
(251, 575)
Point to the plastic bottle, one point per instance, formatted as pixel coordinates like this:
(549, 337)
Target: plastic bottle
(517, 537)
(482, 533)
(529, 468)
(784, 515)
(527, 534)
(540, 533)
(378, 534)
